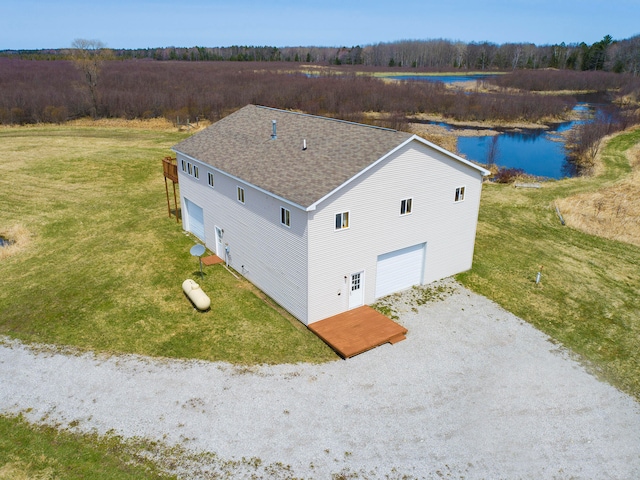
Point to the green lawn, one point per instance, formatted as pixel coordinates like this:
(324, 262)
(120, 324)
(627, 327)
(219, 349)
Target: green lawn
(28, 452)
(104, 263)
(589, 297)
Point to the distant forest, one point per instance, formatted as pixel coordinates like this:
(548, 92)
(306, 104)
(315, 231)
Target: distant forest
(34, 91)
(619, 56)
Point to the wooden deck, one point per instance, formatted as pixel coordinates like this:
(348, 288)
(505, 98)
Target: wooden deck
(357, 331)
(211, 260)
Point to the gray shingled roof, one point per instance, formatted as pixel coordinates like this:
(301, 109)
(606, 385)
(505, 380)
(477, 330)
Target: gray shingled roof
(241, 145)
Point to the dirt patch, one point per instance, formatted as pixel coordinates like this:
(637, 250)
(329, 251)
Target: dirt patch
(17, 239)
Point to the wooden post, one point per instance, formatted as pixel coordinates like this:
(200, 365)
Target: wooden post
(167, 190)
(175, 200)
(559, 214)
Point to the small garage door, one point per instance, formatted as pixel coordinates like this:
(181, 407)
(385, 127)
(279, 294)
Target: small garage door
(399, 269)
(196, 219)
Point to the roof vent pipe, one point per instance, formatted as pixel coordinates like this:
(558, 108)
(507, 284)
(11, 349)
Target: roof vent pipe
(304, 144)
(273, 130)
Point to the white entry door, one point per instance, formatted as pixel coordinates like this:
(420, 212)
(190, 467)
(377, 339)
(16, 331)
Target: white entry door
(219, 244)
(356, 290)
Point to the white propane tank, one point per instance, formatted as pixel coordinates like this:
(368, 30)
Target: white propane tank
(196, 295)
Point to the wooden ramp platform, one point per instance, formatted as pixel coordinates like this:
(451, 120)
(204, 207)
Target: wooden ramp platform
(357, 331)
(211, 260)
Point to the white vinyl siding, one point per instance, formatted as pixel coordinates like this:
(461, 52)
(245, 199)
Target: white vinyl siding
(271, 257)
(375, 199)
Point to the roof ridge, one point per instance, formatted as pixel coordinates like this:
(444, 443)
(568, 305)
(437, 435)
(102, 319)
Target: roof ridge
(328, 118)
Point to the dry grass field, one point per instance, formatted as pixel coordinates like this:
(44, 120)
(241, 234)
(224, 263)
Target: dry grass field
(611, 212)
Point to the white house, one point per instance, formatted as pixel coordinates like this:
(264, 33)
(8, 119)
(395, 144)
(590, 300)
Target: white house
(325, 215)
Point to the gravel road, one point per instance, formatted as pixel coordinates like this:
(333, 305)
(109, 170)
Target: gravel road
(473, 392)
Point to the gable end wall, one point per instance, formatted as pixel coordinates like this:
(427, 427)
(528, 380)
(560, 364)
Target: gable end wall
(416, 171)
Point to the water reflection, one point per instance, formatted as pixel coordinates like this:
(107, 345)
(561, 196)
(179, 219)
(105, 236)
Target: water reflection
(538, 152)
(535, 152)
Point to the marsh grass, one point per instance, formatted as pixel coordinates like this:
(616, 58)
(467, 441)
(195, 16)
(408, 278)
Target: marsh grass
(104, 265)
(589, 296)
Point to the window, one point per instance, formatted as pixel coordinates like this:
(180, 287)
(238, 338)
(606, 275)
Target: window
(210, 179)
(285, 217)
(241, 194)
(459, 194)
(405, 206)
(355, 282)
(192, 170)
(342, 220)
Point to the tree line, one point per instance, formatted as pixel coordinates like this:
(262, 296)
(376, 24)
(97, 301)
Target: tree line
(619, 56)
(43, 91)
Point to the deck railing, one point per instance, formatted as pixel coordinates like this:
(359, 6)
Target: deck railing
(170, 168)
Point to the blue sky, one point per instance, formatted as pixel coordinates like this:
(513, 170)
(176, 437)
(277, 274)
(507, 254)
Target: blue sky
(33, 24)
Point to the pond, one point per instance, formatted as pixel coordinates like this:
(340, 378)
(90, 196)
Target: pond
(538, 152)
(439, 78)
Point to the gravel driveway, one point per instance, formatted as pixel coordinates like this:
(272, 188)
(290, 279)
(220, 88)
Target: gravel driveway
(473, 392)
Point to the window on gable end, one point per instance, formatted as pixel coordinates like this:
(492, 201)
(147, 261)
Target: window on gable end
(210, 179)
(405, 206)
(241, 194)
(184, 165)
(342, 220)
(196, 172)
(285, 217)
(459, 194)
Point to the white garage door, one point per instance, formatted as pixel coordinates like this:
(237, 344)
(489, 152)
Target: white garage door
(195, 221)
(399, 270)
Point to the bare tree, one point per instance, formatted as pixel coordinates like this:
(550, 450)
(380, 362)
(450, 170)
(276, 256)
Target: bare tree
(493, 151)
(88, 56)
